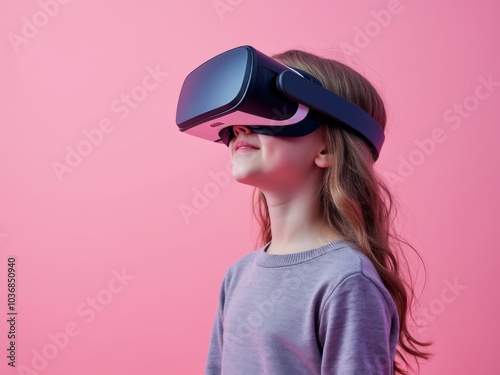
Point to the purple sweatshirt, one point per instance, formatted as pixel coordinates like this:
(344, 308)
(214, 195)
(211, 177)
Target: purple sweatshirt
(320, 311)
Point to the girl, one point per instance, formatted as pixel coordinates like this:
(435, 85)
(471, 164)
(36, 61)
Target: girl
(324, 293)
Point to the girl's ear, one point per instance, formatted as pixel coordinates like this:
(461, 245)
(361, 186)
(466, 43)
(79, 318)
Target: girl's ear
(323, 159)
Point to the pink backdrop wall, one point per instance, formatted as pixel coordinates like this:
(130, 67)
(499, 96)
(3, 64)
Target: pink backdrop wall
(121, 227)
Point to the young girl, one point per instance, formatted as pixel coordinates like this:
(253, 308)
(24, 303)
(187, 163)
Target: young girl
(324, 294)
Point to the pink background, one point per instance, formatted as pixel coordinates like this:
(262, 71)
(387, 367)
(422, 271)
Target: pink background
(119, 207)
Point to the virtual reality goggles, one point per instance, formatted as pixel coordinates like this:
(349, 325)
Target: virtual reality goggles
(243, 86)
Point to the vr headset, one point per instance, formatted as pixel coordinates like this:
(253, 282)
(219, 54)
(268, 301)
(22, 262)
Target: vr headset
(243, 86)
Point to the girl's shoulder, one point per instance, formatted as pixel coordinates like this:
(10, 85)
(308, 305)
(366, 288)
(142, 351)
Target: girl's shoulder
(347, 261)
(338, 266)
(333, 262)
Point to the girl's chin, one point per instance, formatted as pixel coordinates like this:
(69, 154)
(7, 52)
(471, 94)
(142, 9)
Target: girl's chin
(246, 177)
(243, 179)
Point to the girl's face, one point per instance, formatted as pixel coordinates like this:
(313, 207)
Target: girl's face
(274, 163)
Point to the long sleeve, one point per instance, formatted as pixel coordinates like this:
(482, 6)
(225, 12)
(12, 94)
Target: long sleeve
(358, 328)
(214, 358)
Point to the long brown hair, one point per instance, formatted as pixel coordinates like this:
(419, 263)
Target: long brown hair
(353, 200)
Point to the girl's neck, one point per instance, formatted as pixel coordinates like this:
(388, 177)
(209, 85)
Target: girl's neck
(296, 225)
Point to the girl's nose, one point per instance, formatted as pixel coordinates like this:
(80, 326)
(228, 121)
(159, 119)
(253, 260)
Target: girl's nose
(237, 129)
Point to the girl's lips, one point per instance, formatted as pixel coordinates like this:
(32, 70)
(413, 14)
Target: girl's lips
(244, 146)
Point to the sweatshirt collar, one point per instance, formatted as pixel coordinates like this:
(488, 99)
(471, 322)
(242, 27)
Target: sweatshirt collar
(264, 259)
